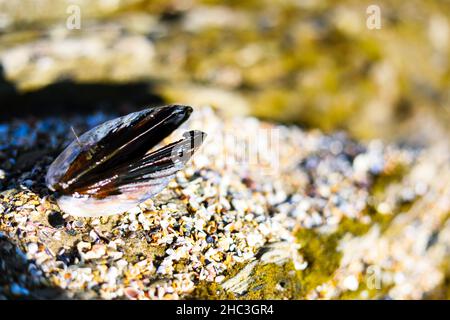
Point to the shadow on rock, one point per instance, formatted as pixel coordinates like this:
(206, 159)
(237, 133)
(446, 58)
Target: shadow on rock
(67, 98)
(20, 278)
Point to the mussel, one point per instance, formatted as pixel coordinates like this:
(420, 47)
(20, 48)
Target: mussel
(111, 168)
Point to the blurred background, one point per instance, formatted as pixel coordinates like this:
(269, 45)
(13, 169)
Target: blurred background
(322, 64)
(313, 63)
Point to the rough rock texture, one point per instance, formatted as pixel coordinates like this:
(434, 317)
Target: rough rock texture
(322, 216)
(267, 212)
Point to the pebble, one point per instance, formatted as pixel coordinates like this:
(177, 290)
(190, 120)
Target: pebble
(18, 290)
(78, 224)
(32, 248)
(351, 283)
(97, 251)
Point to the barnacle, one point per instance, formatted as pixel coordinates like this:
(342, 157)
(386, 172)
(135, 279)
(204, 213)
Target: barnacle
(109, 169)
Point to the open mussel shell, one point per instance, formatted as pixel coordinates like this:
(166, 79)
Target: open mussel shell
(109, 169)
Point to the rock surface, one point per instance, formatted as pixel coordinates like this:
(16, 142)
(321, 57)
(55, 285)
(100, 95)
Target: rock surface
(314, 215)
(267, 212)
